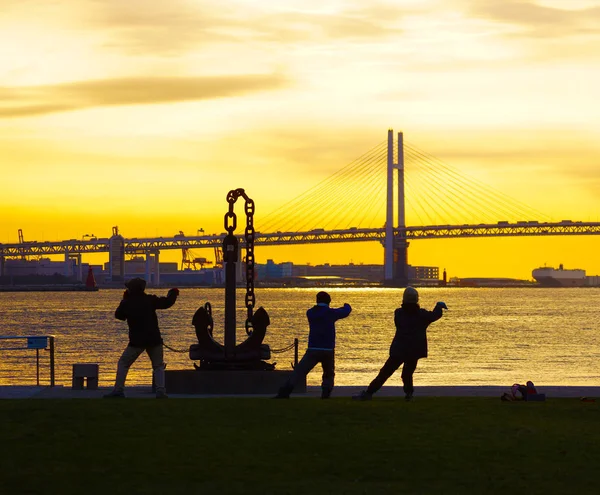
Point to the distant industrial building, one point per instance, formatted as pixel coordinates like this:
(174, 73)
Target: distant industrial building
(169, 274)
(136, 266)
(42, 266)
(272, 271)
(372, 273)
(423, 274)
(208, 277)
(42, 271)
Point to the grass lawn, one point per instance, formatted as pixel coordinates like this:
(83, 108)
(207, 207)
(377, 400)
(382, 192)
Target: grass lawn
(204, 446)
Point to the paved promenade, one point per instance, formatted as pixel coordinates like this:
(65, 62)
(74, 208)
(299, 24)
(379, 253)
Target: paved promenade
(65, 392)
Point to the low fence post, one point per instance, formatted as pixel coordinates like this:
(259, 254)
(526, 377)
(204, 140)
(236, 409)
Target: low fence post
(52, 361)
(295, 352)
(37, 366)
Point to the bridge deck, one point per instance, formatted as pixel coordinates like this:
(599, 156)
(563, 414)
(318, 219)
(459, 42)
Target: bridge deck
(317, 236)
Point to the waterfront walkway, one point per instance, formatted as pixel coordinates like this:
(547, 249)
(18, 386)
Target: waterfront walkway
(139, 392)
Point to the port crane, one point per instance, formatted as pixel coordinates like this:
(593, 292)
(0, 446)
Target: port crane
(22, 241)
(189, 259)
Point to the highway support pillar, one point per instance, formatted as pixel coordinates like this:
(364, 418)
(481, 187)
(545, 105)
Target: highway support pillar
(157, 268)
(148, 268)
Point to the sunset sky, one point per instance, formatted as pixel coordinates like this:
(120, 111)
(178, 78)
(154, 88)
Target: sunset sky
(144, 113)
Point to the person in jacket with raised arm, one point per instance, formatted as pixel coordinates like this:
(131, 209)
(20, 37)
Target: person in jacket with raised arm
(139, 310)
(321, 346)
(409, 344)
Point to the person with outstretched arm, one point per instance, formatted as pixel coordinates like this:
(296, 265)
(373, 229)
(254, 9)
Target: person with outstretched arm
(409, 344)
(139, 310)
(321, 346)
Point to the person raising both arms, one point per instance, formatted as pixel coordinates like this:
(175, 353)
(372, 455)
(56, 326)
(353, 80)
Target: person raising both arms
(139, 309)
(409, 344)
(321, 346)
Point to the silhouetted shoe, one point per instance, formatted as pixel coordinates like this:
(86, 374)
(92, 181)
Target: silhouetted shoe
(408, 397)
(281, 396)
(115, 394)
(325, 394)
(364, 395)
(161, 395)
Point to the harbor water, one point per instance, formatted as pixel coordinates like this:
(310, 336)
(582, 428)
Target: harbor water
(489, 336)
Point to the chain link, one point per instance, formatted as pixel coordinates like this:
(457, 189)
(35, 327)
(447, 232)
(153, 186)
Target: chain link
(230, 216)
(230, 226)
(208, 309)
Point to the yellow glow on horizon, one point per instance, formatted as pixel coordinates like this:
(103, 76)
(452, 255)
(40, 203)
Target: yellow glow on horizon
(107, 119)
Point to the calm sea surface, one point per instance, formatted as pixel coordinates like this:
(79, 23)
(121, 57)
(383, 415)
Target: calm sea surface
(488, 336)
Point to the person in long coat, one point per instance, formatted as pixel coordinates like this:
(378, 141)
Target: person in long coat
(409, 344)
(139, 310)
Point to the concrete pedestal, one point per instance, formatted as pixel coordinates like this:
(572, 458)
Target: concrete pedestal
(228, 381)
(86, 371)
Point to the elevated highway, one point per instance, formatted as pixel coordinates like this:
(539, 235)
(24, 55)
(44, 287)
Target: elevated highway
(315, 236)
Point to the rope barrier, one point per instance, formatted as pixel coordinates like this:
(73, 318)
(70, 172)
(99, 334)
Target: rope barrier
(273, 351)
(285, 349)
(174, 350)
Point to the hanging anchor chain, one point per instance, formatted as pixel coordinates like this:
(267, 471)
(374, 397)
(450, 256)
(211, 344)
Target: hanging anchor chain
(230, 226)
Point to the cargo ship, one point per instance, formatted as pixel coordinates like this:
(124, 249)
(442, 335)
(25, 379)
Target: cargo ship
(552, 277)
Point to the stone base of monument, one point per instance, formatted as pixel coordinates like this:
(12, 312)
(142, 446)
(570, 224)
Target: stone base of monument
(228, 382)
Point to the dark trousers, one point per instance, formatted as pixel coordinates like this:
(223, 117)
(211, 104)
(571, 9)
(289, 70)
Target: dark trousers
(388, 369)
(310, 359)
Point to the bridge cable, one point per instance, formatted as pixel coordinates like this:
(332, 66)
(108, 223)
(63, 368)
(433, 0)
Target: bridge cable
(466, 189)
(337, 203)
(460, 197)
(273, 217)
(310, 202)
(505, 199)
(375, 208)
(512, 204)
(413, 196)
(363, 199)
(465, 193)
(339, 210)
(323, 200)
(409, 199)
(441, 200)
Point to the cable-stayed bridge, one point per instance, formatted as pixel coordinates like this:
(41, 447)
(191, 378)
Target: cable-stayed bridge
(392, 194)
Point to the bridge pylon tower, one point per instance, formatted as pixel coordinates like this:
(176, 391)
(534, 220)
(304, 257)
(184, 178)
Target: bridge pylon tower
(395, 247)
(116, 257)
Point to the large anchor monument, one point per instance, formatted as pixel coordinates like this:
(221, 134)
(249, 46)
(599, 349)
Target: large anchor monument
(232, 368)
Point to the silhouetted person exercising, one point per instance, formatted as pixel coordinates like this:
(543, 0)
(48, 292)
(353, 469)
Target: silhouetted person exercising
(409, 344)
(321, 346)
(139, 309)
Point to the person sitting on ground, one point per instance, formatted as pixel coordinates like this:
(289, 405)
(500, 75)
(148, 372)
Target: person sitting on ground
(409, 343)
(519, 392)
(139, 309)
(321, 346)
